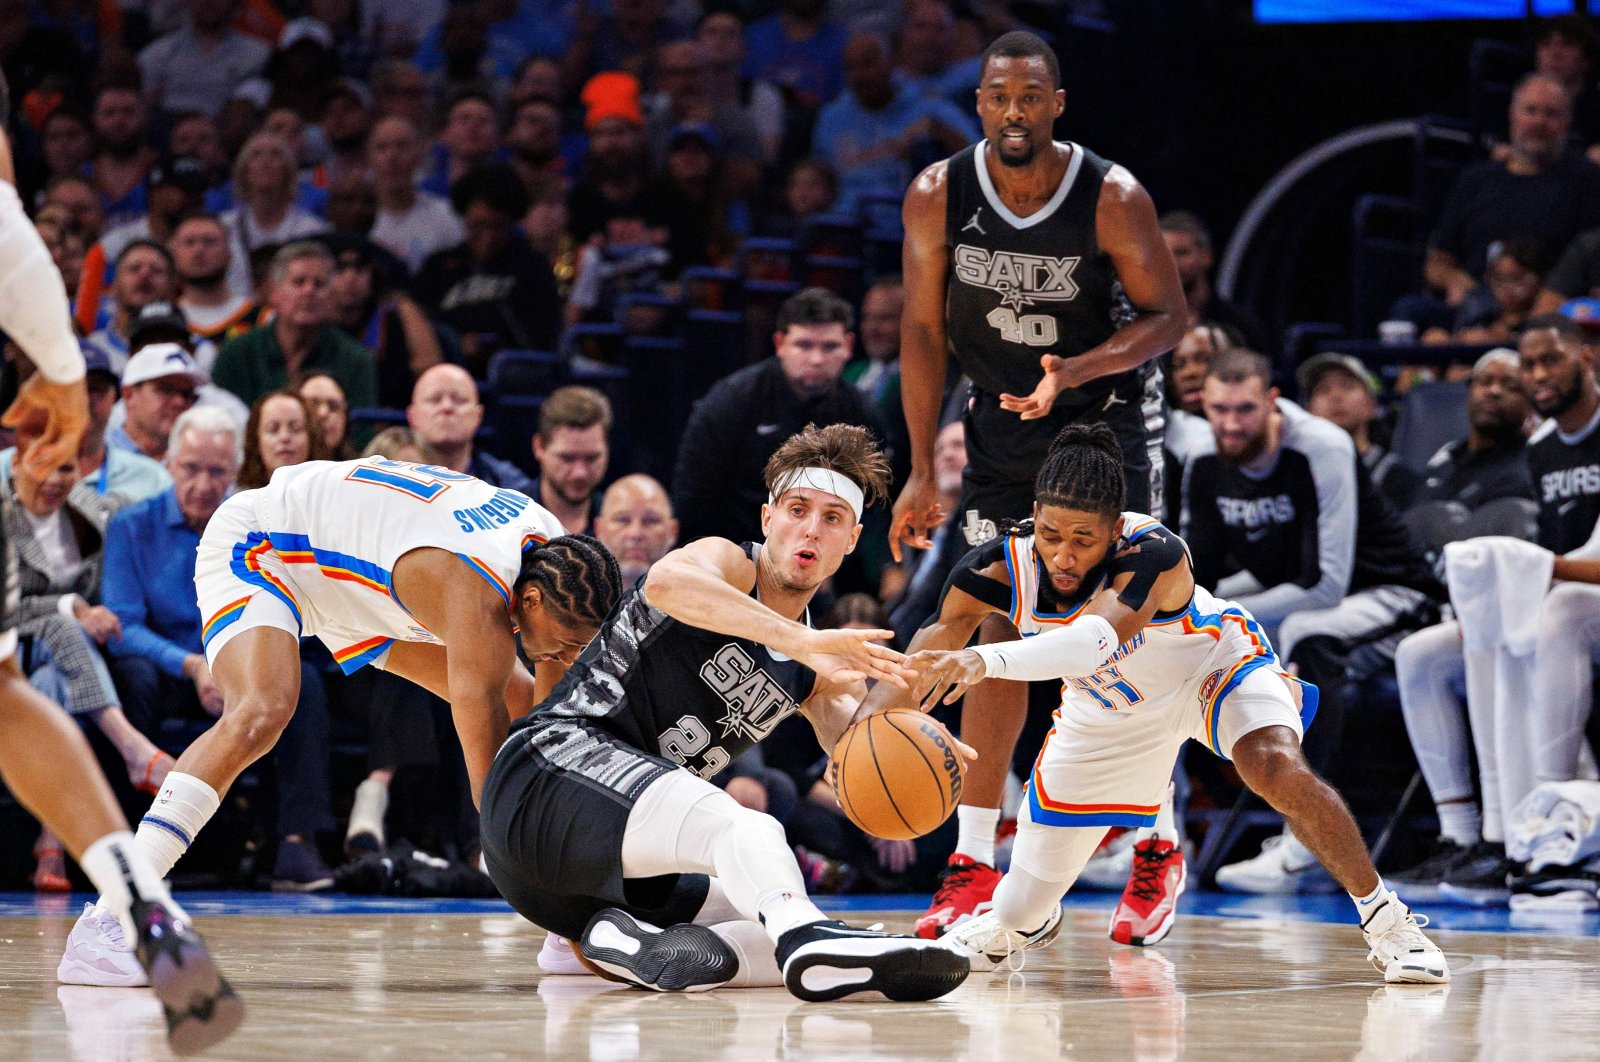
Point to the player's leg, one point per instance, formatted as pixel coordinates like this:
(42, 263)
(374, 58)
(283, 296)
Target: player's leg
(682, 824)
(1430, 669)
(1563, 678)
(1258, 726)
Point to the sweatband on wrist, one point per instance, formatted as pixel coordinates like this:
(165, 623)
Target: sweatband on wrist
(33, 302)
(1080, 648)
(824, 479)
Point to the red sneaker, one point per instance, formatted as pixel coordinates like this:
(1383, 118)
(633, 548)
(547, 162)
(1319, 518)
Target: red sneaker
(1149, 904)
(966, 888)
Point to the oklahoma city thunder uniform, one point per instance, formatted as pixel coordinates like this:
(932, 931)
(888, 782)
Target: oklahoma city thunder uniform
(313, 552)
(1205, 672)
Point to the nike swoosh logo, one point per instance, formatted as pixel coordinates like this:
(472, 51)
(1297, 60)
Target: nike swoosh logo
(1566, 507)
(1255, 536)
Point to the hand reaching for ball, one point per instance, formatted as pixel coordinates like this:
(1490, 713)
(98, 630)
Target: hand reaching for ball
(938, 670)
(846, 655)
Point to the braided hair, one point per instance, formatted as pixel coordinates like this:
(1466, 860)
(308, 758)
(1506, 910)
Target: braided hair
(577, 577)
(1083, 471)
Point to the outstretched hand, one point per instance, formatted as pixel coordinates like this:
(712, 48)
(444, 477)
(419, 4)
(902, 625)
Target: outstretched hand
(941, 670)
(56, 415)
(853, 656)
(916, 516)
(1043, 399)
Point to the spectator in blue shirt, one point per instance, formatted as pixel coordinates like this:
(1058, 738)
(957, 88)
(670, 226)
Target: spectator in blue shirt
(159, 662)
(800, 51)
(875, 134)
(516, 29)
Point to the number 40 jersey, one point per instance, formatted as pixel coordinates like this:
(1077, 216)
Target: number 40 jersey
(324, 538)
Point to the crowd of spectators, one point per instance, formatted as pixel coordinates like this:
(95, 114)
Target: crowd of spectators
(302, 231)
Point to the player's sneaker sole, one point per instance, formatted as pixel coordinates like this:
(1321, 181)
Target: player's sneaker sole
(201, 1008)
(1122, 927)
(901, 969)
(681, 958)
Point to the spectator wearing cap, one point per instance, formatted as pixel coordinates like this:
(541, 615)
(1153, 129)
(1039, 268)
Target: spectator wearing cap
(445, 413)
(616, 176)
(176, 188)
(700, 231)
(411, 224)
(197, 135)
(494, 289)
(874, 133)
(265, 185)
(369, 306)
(345, 124)
(684, 102)
(144, 274)
(159, 384)
(1189, 240)
(197, 67)
(203, 255)
(470, 138)
(105, 468)
(1338, 387)
(800, 50)
(302, 67)
(722, 49)
(300, 337)
(123, 160)
(163, 322)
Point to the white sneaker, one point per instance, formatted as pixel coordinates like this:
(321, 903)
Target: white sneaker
(556, 957)
(988, 944)
(99, 953)
(1397, 946)
(1111, 865)
(1282, 867)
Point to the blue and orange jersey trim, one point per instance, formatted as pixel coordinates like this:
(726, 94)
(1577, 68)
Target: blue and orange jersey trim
(297, 549)
(353, 658)
(490, 577)
(529, 541)
(1016, 557)
(1048, 811)
(224, 617)
(246, 565)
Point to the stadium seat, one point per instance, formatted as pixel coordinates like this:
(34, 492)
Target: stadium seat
(1386, 257)
(523, 372)
(1432, 413)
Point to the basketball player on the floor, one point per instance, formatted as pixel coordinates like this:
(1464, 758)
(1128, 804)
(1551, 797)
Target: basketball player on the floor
(1149, 660)
(598, 822)
(1023, 253)
(427, 573)
(44, 758)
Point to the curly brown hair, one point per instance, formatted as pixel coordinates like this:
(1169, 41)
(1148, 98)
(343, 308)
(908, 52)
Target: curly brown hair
(847, 449)
(253, 471)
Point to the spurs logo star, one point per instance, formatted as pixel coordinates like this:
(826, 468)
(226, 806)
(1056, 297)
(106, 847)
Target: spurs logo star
(1012, 296)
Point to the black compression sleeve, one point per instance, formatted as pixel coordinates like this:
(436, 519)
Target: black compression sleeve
(1156, 552)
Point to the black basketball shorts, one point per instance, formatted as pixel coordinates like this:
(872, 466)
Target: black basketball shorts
(555, 808)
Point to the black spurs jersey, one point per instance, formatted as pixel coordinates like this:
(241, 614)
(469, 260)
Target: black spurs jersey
(684, 693)
(1566, 484)
(1290, 525)
(1022, 287)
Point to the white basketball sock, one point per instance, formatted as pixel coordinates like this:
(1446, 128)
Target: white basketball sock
(1459, 821)
(1166, 824)
(977, 827)
(1365, 905)
(758, 963)
(183, 806)
(119, 870)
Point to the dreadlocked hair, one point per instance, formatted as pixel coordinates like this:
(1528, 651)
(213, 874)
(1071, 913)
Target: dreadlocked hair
(1083, 471)
(576, 575)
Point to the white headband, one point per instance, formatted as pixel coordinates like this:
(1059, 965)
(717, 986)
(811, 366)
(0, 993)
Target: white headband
(826, 480)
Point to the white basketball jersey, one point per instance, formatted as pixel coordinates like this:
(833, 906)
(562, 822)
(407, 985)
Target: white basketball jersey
(340, 528)
(1210, 645)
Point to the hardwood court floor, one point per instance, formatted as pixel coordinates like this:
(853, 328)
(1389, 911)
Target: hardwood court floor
(465, 987)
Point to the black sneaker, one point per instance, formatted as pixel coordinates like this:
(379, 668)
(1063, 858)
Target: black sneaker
(830, 960)
(299, 868)
(1421, 880)
(200, 1006)
(681, 958)
(1481, 877)
(1556, 889)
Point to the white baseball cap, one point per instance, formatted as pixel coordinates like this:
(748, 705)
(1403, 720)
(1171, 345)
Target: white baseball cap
(158, 360)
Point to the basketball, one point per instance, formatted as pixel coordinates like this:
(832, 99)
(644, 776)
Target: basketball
(897, 774)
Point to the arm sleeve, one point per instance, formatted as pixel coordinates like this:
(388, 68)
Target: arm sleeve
(1080, 648)
(124, 593)
(1328, 543)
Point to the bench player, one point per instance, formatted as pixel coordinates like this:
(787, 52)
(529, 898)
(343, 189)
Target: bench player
(44, 758)
(425, 572)
(1107, 602)
(598, 822)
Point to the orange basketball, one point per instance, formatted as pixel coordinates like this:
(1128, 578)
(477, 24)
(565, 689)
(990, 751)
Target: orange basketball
(898, 774)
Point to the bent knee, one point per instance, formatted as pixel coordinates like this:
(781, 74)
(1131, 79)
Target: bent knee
(1566, 606)
(258, 722)
(1271, 763)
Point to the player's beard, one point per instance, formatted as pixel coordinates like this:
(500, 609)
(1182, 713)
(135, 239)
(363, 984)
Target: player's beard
(1248, 453)
(206, 280)
(1015, 161)
(1566, 399)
